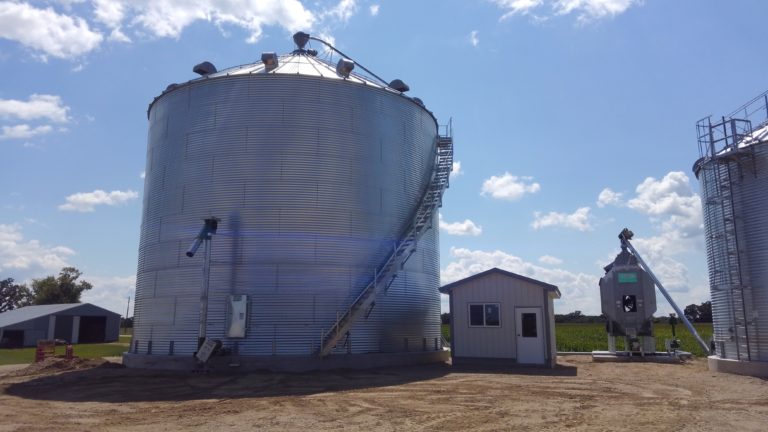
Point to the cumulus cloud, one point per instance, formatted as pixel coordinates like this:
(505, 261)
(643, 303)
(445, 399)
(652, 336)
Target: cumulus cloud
(467, 227)
(550, 260)
(111, 292)
(509, 187)
(36, 107)
(87, 201)
(609, 197)
(578, 220)
(675, 210)
(456, 169)
(585, 10)
(670, 201)
(579, 290)
(513, 7)
(46, 31)
(474, 38)
(23, 131)
(374, 9)
(344, 10)
(23, 259)
(168, 18)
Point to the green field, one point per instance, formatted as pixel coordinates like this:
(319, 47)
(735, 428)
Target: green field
(88, 351)
(591, 337)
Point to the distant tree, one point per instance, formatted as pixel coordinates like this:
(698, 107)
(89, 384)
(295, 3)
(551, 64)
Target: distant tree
(691, 312)
(445, 318)
(62, 289)
(699, 313)
(705, 312)
(13, 296)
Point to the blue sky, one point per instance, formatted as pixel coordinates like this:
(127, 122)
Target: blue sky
(572, 119)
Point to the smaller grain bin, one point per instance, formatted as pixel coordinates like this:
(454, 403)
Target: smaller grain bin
(502, 318)
(733, 175)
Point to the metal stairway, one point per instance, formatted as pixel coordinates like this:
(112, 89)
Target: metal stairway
(421, 221)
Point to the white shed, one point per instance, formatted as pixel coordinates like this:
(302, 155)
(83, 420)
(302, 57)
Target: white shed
(501, 317)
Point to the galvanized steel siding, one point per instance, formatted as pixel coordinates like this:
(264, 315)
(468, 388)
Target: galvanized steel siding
(314, 179)
(749, 186)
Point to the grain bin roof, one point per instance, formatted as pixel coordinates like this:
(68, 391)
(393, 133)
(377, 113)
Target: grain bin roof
(296, 63)
(446, 289)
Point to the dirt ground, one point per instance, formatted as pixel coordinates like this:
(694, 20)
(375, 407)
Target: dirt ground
(579, 395)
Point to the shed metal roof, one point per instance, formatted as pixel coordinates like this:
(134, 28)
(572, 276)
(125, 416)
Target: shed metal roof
(27, 313)
(446, 289)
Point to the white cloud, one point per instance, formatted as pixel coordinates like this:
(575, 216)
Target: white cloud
(23, 131)
(474, 39)
(37, 107)
(460, 228)
(609, 197)
(670, 201)
(578, 289)
(22, 259)
(374, 9)
(47, 31)
(588, 10)
(111, 292)
(143, 175)
(517, 6)
(168, 18)
(509, 187)
(344, 10)
(456, 169)
(585, 10)
(108, 12)
(87, 201)
(579, 220)
(550, 260)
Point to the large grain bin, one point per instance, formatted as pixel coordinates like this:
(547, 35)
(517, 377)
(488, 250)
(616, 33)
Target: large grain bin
(315, 175)
(733, 174)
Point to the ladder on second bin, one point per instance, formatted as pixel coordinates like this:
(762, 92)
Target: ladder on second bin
(421, 221)
(723, 251)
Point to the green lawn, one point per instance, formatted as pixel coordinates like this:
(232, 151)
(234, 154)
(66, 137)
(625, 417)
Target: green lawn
(27, 355)
(591, 337)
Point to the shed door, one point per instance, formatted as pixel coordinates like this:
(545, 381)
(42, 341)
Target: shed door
(530, 335)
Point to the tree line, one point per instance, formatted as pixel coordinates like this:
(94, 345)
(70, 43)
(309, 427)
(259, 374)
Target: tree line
(695, 313)
(64, 288)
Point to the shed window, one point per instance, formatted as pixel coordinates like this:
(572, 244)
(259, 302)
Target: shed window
(484, 315)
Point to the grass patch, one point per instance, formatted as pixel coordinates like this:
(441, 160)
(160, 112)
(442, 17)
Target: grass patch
(592, 337)
(86, 351)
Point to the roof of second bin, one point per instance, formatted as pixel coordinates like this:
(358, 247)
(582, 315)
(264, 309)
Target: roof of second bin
(296, 63)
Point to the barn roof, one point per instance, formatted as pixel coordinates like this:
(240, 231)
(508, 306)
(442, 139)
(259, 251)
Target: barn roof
(27, 313)
(446, 289)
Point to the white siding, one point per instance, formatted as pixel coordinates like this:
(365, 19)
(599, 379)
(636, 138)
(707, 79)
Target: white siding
(492, 342)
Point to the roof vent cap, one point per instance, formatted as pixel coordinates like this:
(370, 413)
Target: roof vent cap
(399, 85)
(301, 39)
(204, 68)
(344, 67)
(270, 61)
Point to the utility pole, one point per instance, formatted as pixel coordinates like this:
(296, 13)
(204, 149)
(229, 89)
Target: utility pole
(125, 322)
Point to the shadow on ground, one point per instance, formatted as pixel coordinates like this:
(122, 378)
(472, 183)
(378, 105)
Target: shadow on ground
(108, 384)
